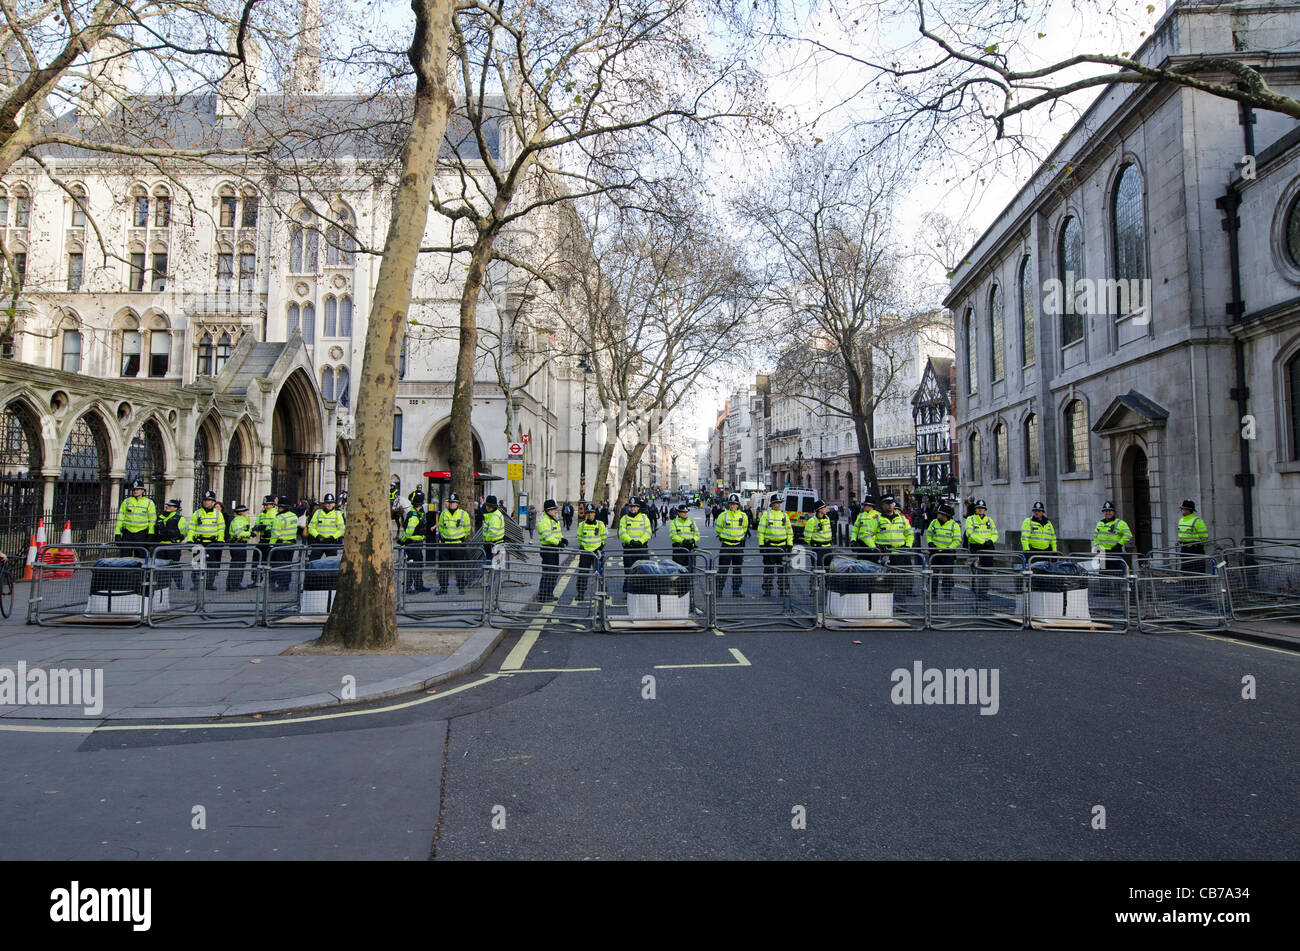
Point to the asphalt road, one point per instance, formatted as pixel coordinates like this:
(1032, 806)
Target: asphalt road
(736, 741)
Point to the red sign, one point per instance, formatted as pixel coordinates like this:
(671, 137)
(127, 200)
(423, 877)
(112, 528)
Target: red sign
(527, 436)
(516, 449)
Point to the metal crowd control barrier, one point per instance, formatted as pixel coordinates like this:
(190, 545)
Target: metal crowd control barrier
(1172, 599)
(1262, 580)
(758, 589)
(89, 584)
(524, 588)
(296, 589)
(197, 584)
(450, 586)
(978, 590)
(894, 597)
(1096, 599)
(634, 602)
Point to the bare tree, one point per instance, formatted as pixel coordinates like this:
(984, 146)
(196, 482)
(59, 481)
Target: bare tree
(560, 100)
(363, 615)
(838, 277)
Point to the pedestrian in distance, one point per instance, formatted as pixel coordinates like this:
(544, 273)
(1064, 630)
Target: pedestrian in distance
(567, 513)
(732, 527)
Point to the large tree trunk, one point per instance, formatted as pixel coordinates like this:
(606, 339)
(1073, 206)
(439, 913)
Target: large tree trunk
(364, 611)
(629, 476)
(597, 486)
(862, 428)
(462, 394)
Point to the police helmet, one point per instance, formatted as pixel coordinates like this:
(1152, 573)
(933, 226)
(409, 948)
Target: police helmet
(1038, 507)
(268, 500)
(1108, 506)
(453, 498)
(417, 498)
(209, 496)
(548, 505)
(329, 499)
(886, 499)
(733, 498)
(492, 500)
(818, 505)
(282, 501)
(980, 504)
(1189, 505)
(174, 503)
(946, 510)
(239, 508)
(869, 500)
(136, 484)
(682, 510)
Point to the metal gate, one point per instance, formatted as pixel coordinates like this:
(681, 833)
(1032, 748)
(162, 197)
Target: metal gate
(1096, 598)
(1172, 599)
(894, 596)
(89, 584)
(765, 589)
(1263, 580)
(202, 584)
(459, 590)
(978, 591)
(565, 595)
(678, 602)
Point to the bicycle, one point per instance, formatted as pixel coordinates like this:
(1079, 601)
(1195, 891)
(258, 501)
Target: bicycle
(6, 588)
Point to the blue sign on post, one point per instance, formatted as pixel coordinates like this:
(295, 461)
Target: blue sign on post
(523, 507)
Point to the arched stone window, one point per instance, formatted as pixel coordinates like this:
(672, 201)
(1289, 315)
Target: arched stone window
(1291, 385)
(1031, 444)
(1076, 437)
(1000, 468)
(345, 316)
(304, 245)
(997, 332)
(327, 383)
(78, 207)
(162, 208)
(975, 457)
(340, 245)
(1128, 231)
(309, 323)
(22, 206)
(223, 352)
(344, 387)
(331, 316)
(1069, 270)
(139, 207)
(1028, 293)
(972, 354)
(293, 319)
(205, 355)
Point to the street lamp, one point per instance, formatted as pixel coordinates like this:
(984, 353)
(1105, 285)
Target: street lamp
(582, 465)
(798, 469)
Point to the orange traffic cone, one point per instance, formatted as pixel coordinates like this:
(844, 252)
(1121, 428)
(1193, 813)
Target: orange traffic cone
(66, 537)
(40, 532)
(31, 559)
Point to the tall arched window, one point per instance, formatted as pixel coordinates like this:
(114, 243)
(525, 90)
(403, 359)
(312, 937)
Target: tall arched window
(130, 352)
(22, 206)
(997, 332)
(162, 208)
(71, 351)
(160, 351)
(327, 383)
(1031, 444)
(223, 352)
(205, 356)
(972, 354)
(340, 245)
(1076, 437)
(293, 319)
(1070, 270)
(78, 207)
(1028, 290)
(309, 323)
(397, 431)
(304, 245)
(345, 316)
(1128, 224)
(139, 208)
(331, 316)
(1000, 468)
(1293, 403)
(345, 387)
(975, 457)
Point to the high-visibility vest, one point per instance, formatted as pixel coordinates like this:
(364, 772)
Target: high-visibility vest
(136, 515)
(817, 531)
(284, 531)
(944, 535)
(494, 526)
(731, 526)
(774, 528)
(414, 529)
(634, 528)
(1036, 537)
(240, 528)
(549, 532)
(265, 524)
(683, 529)
(327, 525)
(592, 535)
(207, 526)
(893, 532)
(172, 528)
(1191, 530)
(980, 529)
(454, 526)
(864, 528)
(1112, 534)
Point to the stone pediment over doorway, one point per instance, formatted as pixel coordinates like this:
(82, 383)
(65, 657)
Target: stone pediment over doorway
(1129, 413)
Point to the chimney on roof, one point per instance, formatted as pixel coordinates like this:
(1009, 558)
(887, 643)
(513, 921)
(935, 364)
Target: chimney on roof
(238, 89)
(105, 89)
(306, 69)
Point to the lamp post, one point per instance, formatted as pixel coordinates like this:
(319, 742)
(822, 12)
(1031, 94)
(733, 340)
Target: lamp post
(798, 469)
(582, 465)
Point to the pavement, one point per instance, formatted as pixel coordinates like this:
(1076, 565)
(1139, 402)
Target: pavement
(215, 671)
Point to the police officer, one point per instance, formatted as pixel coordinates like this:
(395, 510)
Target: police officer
(171, 529)
(550, 537)
(732, 526)
(264, 529)
(684, 534)
(981, 536)
(943, 535)
(634, 532)
(136, 519)
(208, 528)
(494, 527)
(893, 530)
(818, 532)
(325, 530)
(240, 531)
(1192, 536)
(1111, 535)
(1037, 534)
(413, 532)
(284, 536)
(592, 533)
(863, 535)
(454, 527)
(775, 539)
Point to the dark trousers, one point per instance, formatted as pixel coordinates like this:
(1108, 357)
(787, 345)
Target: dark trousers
(211, 561)
(730, 558)
(415, 566)
(980, 567)
(586, 564)
(1113, 561)
(941, 561)
(774, 563)
(821, 555)
(682, 553)
(1188, 561)
(136, 544)
(264, 550)
(550, 572)
(235, 574)
(322, 548)
(282, 557)
(447, 554)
